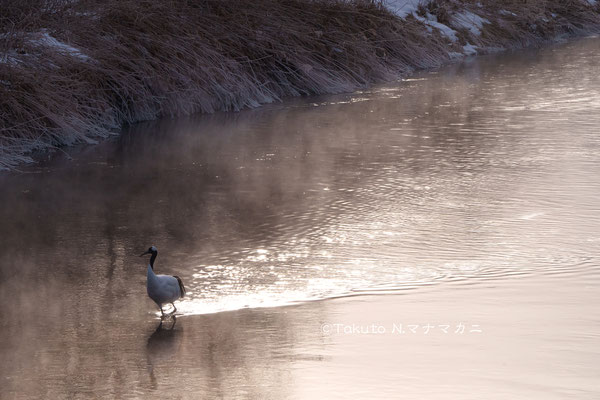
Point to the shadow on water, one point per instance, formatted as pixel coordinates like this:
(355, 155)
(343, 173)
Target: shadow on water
(163, 345)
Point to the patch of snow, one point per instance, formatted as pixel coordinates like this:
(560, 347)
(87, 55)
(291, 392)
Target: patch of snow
(591, 2)
(427, 26)
(470, 21)
(403, 8)
(505, 12)
(93, 15)
(469, 49)
(44, 39)
(432, 21)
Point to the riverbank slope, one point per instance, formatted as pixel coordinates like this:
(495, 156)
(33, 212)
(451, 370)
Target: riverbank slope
(76, 72)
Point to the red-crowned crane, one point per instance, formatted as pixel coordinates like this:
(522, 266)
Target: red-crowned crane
(162, 289)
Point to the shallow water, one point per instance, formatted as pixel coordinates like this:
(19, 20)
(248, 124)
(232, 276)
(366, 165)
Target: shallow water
(483, 170)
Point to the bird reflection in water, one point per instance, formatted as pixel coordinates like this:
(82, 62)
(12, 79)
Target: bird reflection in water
(162, 345)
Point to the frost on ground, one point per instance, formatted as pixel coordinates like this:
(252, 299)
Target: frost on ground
(44, 41)
(43, 38)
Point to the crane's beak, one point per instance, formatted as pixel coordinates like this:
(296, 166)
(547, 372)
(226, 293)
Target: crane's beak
(143, 254)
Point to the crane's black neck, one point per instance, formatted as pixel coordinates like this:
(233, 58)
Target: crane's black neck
(154, 254)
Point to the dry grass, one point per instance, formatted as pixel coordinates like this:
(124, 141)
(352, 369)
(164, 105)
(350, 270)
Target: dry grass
(151, 59)
(536, 21)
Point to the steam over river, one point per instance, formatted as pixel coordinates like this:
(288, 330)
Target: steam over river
(473, 186)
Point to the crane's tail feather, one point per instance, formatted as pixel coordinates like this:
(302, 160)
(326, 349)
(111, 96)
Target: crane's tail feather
(181, 287)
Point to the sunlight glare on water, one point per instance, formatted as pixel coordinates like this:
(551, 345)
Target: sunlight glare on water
(482, 172)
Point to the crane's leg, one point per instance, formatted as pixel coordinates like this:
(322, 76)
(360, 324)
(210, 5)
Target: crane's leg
(174, 309)
(162, 313)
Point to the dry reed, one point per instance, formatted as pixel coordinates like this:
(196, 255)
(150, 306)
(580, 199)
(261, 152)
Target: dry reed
(142, 59)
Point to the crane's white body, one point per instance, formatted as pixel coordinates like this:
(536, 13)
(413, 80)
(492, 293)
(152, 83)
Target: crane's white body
(162, 289)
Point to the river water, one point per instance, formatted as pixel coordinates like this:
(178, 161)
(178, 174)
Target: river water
(484, 172)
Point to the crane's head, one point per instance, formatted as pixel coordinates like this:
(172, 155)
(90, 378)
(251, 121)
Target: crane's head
(151, 250)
